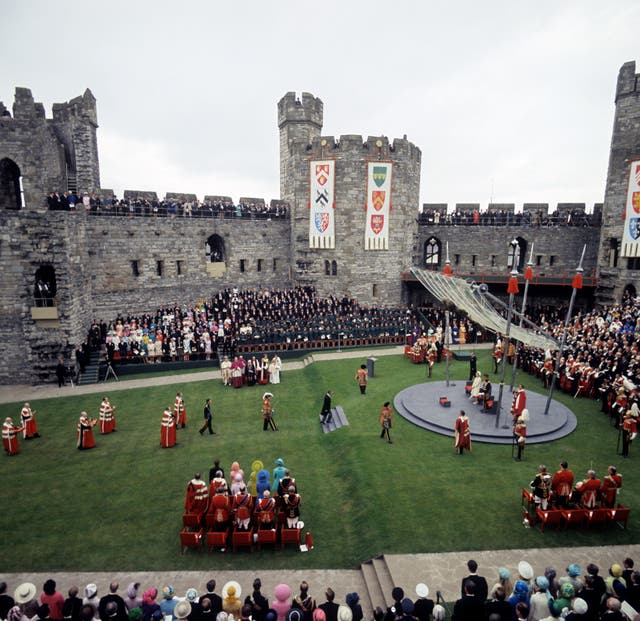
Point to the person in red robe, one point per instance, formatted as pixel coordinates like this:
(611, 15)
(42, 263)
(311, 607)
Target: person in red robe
(242, 506)
(237, 370)
(562, 484)
(220, 509)
(610, 486)
(519, 402)
(85, 432)
(462, 435)
(197, 500)
(10, 436)
(107, 419)
(266, 511)
(180, 411)
(29, 426)
(589, 489)
(168, 429)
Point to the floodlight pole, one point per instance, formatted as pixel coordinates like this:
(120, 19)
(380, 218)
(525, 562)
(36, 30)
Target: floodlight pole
(512, 290)
(576, 284)
(528, 276)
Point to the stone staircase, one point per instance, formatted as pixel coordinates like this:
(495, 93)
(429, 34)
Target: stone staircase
(338, 419)
(91, 373)
(378, 583)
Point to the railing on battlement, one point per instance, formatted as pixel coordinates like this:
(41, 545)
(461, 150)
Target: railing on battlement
(100, 206)
(575, 218)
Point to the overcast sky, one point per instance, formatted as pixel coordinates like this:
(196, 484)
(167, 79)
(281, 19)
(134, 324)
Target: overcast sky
(511, 101)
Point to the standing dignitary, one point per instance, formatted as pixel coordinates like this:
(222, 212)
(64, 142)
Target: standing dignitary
(168, 429)
(85, 432)
(29, 427)
(179, 411)
(107, 419)
(520, 435)
(361, 376)
(325, 413)
(519, 402)
(385, 421)
(10, 436)
(207, 418)
(267, 413)
(629, 430)
(562, 484)
(462, 433)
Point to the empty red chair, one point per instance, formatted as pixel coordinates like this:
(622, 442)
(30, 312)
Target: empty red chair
(596, 516)
(619, 515)
(192, 520)
(242, 538)
(218, 539)
(190, 539)
(548, 517)
(573, 516)
(289, 535)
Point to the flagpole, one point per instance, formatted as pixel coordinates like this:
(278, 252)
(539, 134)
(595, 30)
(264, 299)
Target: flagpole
(512, 289)
(447, 333)
(576, 284)
(528, 276)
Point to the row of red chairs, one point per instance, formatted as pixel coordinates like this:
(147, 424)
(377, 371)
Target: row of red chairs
(244, 348)
(235, 538)
(576, 516)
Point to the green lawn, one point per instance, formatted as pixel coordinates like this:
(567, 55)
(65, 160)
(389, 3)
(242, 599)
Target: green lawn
(119, 506)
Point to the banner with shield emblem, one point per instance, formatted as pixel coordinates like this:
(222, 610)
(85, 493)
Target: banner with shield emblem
(376, 232)
(631, 236)
(322, 204)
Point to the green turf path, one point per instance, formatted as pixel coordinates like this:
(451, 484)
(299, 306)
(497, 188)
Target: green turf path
(118, 507)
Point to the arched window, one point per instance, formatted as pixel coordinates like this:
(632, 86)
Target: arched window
(45, 287)
(516, 254)
(629, 293)
(432, 253)
(214, 248)
(11, 196)
(327, 268)
(334, 268)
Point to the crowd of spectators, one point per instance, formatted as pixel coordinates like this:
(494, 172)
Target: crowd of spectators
(574, 593)
(285, 318)
(601, 359)
(168, 207)
(502, 217)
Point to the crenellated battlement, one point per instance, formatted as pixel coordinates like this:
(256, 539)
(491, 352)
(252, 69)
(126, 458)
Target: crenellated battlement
(81, 107)
(307, 109)
(628, 80)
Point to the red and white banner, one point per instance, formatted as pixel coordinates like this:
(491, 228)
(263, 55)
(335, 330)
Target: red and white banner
(376, 230)
(322, 204)
(631, 235)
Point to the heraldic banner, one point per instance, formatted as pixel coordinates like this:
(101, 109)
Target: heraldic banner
(376, 231)
(631, 235)
(322, 204)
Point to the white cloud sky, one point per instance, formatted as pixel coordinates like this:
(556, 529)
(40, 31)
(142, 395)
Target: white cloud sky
(506, 100)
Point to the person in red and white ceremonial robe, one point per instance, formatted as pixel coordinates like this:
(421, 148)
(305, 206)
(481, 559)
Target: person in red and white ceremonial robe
(85, 432)
(237, 369)
(610, 486)
(107, 419)
(562, 484)
(168, 429)
(263, 370)
(589, 489)
(180, 411)
(462, 435)
(519, 402)
(10, 436)
(629, 429)
(243, 505)
(197, 499)
(266, 510)
(29, 427)
(220, 508)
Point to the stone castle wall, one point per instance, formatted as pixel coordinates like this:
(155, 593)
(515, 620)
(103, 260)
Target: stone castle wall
(625, 145)
(371, 276)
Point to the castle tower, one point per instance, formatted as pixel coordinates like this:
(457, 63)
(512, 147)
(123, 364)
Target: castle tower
(75, 123)
(619, 265)
(299, 121)
(347, 262)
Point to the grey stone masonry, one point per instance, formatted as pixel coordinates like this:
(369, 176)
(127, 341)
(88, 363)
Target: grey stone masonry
(615, 274)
